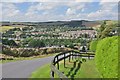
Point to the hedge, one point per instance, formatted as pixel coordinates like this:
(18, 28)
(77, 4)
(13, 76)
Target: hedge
(106, 57)
(31, 52)
(93, 45)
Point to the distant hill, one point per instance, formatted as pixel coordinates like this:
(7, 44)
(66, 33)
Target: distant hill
(72, 23)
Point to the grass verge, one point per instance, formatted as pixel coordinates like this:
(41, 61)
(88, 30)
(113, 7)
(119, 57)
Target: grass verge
(73, 69)
(25, 58)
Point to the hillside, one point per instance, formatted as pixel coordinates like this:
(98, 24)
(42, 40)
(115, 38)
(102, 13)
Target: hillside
(72, 23)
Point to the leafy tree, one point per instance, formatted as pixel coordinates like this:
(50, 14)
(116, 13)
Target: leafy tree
(71, 46)
(26, 41)
(36, 43)
(103, 26)
(107, 30)
(9, 42)
(83, 49)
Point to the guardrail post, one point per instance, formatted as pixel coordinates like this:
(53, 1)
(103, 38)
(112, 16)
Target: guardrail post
(64, 60)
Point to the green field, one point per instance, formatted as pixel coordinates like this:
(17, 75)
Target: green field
(5, 28)
(81, 70)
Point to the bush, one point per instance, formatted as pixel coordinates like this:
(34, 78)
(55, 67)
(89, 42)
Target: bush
(31, 52)
(27, 53)
(93, 45)
(7, 51)
(83, 60)
(107, 57)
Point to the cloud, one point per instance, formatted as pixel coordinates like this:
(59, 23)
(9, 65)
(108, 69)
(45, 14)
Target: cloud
(17, 1)
(0, 11)
(43, 6)
(85, 0)
(108, 10)
(9, 10)
(45, 11)
(103, 1)
(74, 8)
(70, 11)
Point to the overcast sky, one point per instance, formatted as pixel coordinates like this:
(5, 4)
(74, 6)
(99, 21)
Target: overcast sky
(37, 10)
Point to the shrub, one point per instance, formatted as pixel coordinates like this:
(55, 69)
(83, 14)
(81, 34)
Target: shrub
(93, 45)
(106, 57)
(31, 52)
(7, 51)
(27, 52)
(83, 59)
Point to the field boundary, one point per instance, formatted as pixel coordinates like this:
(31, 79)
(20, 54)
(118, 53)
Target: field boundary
(63, 56)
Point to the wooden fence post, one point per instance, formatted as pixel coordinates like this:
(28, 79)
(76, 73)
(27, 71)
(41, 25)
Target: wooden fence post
(57, 63)
(52, 74)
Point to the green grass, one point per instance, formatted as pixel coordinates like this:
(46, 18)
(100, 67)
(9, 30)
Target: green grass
(85, 70)
(81, 70)
(42, 72)
(25, 58)
(5, 28)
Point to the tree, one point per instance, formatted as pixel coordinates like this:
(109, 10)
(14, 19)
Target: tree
(71, 46)
(107, 30)
(36, 43)
(103, 26)
(11, 43)
(83, 49)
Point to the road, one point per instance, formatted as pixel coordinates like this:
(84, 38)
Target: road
(23, 69)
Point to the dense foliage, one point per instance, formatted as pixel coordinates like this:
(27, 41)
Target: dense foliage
(36, 43)
(93, 45)
(31, 52)
(9, 42)
(107, 57)
(50, 42)
(106, 29)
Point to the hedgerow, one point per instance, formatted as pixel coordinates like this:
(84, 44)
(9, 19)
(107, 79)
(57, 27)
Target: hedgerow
(31, 52)
(93, 45)
(107, 57)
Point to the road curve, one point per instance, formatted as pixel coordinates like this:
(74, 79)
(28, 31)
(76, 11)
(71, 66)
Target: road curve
(23, 69)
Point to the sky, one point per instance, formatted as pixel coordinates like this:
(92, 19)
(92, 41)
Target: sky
(58, 10)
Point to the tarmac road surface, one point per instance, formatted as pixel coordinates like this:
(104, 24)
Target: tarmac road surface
(23, 69)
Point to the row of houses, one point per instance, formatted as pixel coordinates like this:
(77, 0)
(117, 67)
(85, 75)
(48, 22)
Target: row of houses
(79, 33)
